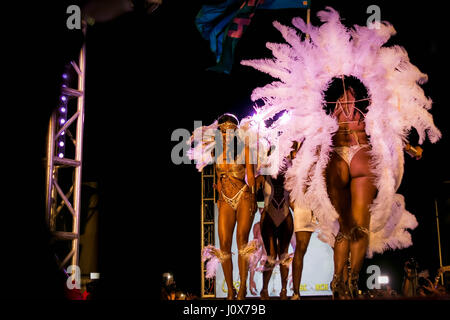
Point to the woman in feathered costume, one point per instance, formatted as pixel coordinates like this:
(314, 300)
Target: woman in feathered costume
(237, 201)
(351, 161)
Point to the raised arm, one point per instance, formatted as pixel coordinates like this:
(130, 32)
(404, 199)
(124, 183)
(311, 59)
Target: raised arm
(415, 152)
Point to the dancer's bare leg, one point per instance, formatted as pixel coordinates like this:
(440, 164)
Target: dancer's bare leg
(244, 224)
(267, 234)
(338, 178)
(227, 221)
(284, 238)
(285, 235)
(302, 241)
(363, 192)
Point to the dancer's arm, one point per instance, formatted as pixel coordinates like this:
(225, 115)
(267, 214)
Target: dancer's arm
(415, 152)
(259, 182)
(218, 185)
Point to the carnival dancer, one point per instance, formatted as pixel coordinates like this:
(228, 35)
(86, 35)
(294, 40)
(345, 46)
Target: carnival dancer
(304, 226)
(351, 161)
(350, 183)
(276, 231)
(236, 188)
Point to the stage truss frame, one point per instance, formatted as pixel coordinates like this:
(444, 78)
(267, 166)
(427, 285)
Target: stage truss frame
(55, 163)
(208, 201)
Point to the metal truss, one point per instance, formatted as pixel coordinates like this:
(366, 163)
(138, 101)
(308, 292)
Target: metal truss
(207, 226)
(61, 130)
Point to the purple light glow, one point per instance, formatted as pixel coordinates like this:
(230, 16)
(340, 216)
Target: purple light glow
(63, 98)
(64, 75)
(62, 121)
(61, 143)
(62, 109)
(61, 155)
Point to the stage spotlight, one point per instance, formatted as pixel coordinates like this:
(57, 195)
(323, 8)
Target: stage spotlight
(167, 276)
(94, 275)
(168, 279)
(168, 287)
(383, 279)
(180, 296)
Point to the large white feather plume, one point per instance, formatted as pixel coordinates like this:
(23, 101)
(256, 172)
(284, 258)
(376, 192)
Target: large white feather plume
(304, 67)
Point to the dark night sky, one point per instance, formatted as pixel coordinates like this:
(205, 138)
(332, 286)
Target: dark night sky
(146, 77)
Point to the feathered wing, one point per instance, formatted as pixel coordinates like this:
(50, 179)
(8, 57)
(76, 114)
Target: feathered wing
(304, 67)
(202, 143)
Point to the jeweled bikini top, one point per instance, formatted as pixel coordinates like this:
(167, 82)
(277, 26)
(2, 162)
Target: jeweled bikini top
(231, 169)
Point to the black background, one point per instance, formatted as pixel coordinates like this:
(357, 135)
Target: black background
(146, 76)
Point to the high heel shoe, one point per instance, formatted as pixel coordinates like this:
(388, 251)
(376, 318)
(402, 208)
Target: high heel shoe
(338, 288)
(295, 296)
(242, 294)
(283, 294)
(353, 286)
(231, 295)
(264, 294)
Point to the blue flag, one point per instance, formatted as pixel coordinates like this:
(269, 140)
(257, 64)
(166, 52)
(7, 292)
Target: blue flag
(223, 24)
(285, 4)
(212, 20)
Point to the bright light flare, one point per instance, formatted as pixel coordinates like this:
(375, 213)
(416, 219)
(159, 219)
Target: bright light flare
(383, 279)
(257, 117)
(285, 117)
(94, 275)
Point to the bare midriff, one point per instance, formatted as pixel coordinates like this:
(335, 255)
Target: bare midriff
(231, 175)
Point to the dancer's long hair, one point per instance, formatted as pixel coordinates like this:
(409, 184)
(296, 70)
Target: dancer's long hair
(228, 117)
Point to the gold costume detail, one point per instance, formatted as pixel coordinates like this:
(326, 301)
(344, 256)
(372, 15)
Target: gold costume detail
(234, 202)
(228, 125)
(237, 171)
(250, 248)
(221, 255)
(231, 170)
